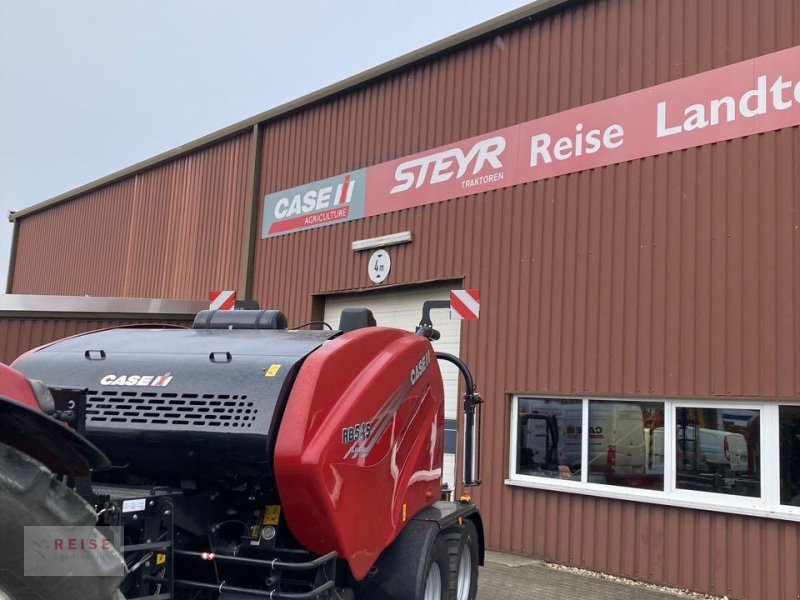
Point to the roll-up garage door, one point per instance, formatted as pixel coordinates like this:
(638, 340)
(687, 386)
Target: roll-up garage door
(403, 309)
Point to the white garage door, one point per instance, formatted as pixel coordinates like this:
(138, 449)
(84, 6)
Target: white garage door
(403, 309)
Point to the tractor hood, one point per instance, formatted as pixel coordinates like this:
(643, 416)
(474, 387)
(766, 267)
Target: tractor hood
(180, 401)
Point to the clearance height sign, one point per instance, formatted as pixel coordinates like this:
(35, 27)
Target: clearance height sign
(754, 96)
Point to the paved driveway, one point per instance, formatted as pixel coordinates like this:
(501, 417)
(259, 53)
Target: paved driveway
(510, 578)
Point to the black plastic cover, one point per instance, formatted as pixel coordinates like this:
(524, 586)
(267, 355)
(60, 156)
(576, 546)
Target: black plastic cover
(240, 319)
(356, 318)
(194, 401)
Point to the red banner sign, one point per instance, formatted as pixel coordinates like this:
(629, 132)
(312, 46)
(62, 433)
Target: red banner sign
(754, 96)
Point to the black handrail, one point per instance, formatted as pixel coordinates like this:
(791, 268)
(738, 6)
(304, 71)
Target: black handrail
(472, 400)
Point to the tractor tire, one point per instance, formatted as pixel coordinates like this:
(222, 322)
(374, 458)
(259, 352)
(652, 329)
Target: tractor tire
(463, 551)
(30, 495)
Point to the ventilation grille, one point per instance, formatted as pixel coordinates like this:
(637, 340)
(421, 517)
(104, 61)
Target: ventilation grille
(165, 408)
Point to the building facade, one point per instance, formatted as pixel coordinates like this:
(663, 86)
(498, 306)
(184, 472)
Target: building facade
(621, 181)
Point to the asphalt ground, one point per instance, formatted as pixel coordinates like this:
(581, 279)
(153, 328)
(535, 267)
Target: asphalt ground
(506, 577)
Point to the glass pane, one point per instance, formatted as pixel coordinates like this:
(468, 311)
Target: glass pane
(718, 450)
(626, 444)
(549, 438)
(790, 454)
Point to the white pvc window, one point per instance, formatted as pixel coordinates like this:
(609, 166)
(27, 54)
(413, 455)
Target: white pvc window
(731, 456)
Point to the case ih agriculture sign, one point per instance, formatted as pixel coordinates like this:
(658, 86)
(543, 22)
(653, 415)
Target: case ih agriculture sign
(746, 98)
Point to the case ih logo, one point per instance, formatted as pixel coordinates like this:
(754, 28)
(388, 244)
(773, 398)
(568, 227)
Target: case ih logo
(325, 202)
(137, 380)
(420, 368)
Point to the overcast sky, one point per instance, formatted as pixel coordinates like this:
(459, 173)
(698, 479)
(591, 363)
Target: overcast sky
(88, 87)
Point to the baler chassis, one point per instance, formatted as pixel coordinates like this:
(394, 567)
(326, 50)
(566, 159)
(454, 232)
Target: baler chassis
(150, 554)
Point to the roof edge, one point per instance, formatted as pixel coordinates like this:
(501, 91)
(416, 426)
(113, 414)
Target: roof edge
(32, 305)
(446, 44)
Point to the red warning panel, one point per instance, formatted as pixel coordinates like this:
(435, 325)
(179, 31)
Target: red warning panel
(222, 299)
(465, 304)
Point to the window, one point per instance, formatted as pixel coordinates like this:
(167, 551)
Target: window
(737, 456)
(626, 444)
(549, 434)
(718, 450)
(789, 439)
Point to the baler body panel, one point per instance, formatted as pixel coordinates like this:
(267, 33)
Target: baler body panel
(183, 401)
(360, 448)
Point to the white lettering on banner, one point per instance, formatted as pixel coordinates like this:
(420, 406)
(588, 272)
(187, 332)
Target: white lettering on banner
(314, 200)
(751, 104)
(482, 180)
(333, 215)
(566, 147)
(484, 151)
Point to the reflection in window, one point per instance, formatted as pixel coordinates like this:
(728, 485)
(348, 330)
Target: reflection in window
(626, 444)
(789, 420)
(718, 450)
(549, 438)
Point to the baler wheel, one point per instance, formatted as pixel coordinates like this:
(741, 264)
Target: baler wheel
(462, 547)
(31, 495)
(438, 582)
(416, 566)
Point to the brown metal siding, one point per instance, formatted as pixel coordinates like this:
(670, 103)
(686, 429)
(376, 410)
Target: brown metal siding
(727, 555)
(174, 231)
(676, 275)
(20, 334)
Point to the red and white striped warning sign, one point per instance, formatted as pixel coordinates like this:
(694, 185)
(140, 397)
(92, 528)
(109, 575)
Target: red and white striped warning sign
(222, 299)
(465, 304)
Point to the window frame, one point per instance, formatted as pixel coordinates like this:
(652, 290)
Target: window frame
(775, 466)
(767, 505)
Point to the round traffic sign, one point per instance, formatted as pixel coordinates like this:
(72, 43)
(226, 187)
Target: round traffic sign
(379, 266)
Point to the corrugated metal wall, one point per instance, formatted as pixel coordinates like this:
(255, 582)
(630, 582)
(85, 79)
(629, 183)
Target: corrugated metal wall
(20, 334)
(718, 553)
(174, 231)
(677, 275)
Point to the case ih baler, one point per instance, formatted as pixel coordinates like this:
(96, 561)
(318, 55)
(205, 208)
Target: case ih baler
(241, 460)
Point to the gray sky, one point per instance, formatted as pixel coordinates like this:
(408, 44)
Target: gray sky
(91, 86)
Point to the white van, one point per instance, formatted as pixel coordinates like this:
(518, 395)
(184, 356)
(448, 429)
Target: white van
(654, 451)
(616, 440)
(717, 449)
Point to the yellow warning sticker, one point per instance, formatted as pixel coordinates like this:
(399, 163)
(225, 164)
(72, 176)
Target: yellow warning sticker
(272, 371)
(161, 558)
(272, 514)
